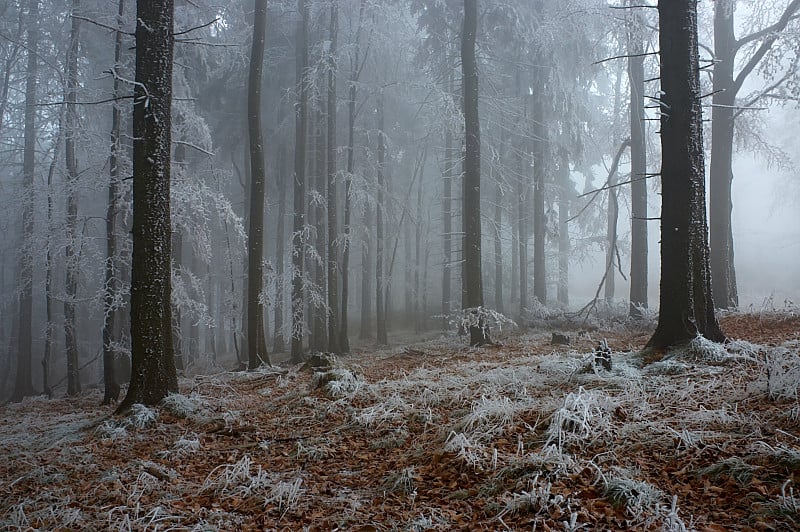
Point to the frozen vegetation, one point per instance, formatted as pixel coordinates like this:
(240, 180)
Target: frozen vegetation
(429, 437)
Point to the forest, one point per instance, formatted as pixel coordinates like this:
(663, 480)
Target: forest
(399, 265)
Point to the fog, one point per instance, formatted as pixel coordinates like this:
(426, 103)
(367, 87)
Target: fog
(556, 93)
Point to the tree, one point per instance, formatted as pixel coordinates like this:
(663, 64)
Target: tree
(356, 66)
(638, 288)
(153, 372)
(111, 286)
(380, 246)
(256, 339)
(686, 305)
(726, 86)
(471, 220)
(73, 377)
(332, 262)
(23, 385)
(299, 219)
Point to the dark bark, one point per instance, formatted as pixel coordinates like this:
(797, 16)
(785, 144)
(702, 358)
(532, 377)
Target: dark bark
(638, 292)
(471, 218)
(256, 337)
(111, 288)
(23, 385)
(380, 288)
(686, 304)
(299, 217)
(332, 199)
(153, 373)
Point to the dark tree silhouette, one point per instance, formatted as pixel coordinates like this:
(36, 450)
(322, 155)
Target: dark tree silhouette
(23, 385)
(473, 281)
(256, 338)
(638, 293)
(153, 373)
(686, 307)
(299, 220)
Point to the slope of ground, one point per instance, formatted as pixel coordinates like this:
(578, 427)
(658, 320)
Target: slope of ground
(435, 436)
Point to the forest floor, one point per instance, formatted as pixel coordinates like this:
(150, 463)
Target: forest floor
(435, 436)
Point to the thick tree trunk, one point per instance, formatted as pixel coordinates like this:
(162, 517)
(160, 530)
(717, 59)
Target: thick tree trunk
(471, 217)
(111, 289)
(686, 308)
(299, 217)
(153, 373)
(332, 198)
(256, 337)
(523, 215)
(638, 292)
(23, 385)
(380, 288)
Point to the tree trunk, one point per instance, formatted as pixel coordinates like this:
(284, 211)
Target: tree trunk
(539, 173)
(111, 288)
(256, 338)
(366, 276)
(721, 169)
(498, 246)
(50, 325)
(299, 217)
(638, 293)
(355, 71)
(447, 213)
(687, 307)
(471, 217)
(279, 341)
(23, 385)
(333, 223)
(72, 257)
(380, 289)
(319, 315)
(565, 196)
(153, 374)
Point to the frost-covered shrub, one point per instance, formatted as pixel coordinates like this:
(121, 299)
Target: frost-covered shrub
(584, 417)
(782, 368)
(338, 382)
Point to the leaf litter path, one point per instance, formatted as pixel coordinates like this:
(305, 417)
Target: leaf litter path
(434, 437)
